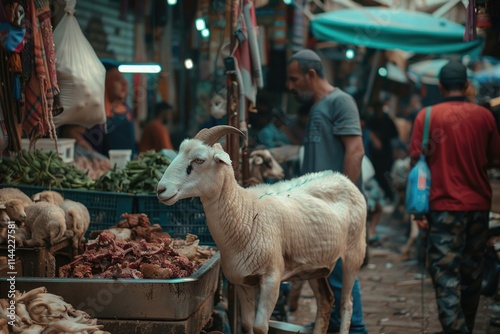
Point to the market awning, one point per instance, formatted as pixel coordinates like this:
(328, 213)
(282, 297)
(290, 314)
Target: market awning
(427, 71)
(389, 29)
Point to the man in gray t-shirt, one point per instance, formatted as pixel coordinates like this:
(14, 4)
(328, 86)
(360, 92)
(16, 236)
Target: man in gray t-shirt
(332, 142)
(330, 118)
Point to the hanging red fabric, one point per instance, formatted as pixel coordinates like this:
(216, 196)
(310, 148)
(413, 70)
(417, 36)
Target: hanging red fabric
(470, 25)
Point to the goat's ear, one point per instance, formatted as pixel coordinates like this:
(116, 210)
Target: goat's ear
(258, 160)
(218, 146)
(221, 156)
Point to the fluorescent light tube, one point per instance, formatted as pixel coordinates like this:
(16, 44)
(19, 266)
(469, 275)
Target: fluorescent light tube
(139, 68)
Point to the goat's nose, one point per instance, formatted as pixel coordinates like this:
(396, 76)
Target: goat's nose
(160, 190)
(23, 216)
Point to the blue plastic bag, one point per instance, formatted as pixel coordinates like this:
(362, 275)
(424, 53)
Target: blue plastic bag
(418, 188)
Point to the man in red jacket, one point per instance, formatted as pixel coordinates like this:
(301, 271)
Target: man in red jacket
(463, 143)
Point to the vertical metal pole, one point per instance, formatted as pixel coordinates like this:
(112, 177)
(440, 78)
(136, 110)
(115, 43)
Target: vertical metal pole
(182, 73)
(232, 148)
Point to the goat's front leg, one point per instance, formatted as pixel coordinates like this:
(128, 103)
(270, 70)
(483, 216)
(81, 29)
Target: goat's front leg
(324, 299)
(268, 296)
(246, 297)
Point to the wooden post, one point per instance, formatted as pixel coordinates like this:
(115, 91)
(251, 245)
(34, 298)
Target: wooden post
(245, 154)
(233, 141)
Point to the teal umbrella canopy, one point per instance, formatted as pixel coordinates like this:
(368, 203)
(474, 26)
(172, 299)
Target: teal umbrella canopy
(389, 29)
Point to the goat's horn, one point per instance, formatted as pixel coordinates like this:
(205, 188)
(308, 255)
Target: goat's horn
(212, 135)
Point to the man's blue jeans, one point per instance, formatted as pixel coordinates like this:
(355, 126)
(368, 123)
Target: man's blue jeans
(357, 324)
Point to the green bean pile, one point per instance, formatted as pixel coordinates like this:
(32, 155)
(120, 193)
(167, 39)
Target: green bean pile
(139, 176)
(40, 168)
(47, 169)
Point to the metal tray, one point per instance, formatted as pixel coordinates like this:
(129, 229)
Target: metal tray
(132, 299)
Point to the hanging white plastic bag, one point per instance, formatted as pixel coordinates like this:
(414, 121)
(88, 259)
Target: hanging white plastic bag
(80, 74)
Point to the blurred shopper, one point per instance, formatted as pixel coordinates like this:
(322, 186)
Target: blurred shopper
(383, 133)
(414, 107)
(275, 133)
(463, 142)
(373, 192)
(155, 136)
(298, 127)
(332, 142)
(374, 199)
(119, 130)
(78, 133)
(494, 106)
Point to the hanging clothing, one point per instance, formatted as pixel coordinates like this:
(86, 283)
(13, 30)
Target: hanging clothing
(13, 31)
(42, 84)
(10, 108)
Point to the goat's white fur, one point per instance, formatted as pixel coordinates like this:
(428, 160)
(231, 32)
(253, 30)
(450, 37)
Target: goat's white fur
(291, 230)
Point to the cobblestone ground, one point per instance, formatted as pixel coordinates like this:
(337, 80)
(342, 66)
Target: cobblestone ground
(392, 291)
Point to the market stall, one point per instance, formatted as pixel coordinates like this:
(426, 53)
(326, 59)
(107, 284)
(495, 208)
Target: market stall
(54, 80)
(182, 305)
(132, 272)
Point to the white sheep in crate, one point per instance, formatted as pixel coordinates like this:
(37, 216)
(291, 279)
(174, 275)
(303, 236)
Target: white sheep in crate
(291, 230)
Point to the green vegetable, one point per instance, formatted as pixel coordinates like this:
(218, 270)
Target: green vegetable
(40, 168)
(139, 176)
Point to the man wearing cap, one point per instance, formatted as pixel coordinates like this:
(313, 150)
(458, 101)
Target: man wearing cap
(332, 141)
(463, 143)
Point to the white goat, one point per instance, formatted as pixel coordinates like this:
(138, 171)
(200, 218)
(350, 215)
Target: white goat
(291, 230)
(15, 202)
(263, 165)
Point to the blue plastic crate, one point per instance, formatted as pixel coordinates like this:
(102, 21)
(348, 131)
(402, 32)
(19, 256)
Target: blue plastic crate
(105, 208)
(185, 216)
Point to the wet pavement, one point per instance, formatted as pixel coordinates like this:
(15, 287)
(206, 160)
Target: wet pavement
(393, 302)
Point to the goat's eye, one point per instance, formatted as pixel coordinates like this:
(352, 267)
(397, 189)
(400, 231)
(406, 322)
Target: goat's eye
(199, 161)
